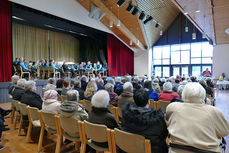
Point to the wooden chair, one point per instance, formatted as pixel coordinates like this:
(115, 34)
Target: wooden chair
(153, 104)
(67, 73)
(110, 108)
(163, 105)
(42, 72)
(17, 111)
(60, 98)
(53, 71)
(64, 97)
(69, 128)
(15, 70)
(115, 112)
(89, 136)
(128, 142)
(23, 113)
(12, 107)
(47, 121)
(23, 73)
(33, 121)
(87, 105)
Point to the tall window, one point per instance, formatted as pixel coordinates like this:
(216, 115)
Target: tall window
(182, 59)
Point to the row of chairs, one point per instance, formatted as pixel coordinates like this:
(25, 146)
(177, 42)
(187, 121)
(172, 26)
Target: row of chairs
(78, 132)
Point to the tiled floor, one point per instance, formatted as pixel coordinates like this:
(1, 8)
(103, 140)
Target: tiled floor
(17, 144)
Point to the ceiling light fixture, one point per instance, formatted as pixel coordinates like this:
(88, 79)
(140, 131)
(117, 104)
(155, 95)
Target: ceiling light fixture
(131, 42)
(130, 7)
(142, 15)
(138, 42)
(203, 35)
(111, 24)
(197, 8)
(185, 10)
(148, 19)
(15, 17)
(120, 3)
(135, 11)
(161, 33)
(194, 33)
(227, 31)
(118, 23)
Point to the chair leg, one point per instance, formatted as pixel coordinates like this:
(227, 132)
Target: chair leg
(20, 125)
(15, 120)
(58, 144)
(41, 138)
(83, 148)
(28, 136)
(12, 114)
(77, 146)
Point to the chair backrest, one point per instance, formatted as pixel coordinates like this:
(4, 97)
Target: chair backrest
(101, 132)
(152, 104)
(110, 108)
(64, 97)
(60, 98)
(115, 111)
(22, 108)
(15, 104)
(19, 68)
(33, 112)
(49, 120)
(87, 105)
(70, 126)
(131, 143)
(163, 105)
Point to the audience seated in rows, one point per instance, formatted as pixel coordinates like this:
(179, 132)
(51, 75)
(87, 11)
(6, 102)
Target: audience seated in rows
(30, 97)
(113, 96)
(77, 86)
(145, 121)
(71, 108)
(151, 92)
(193, 124)
(126, 96)
(18, 90)
(167, 94)
(90, 90)
(51, 104)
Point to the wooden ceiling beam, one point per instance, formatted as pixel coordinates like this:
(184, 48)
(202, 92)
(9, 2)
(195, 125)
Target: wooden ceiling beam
(122, 27)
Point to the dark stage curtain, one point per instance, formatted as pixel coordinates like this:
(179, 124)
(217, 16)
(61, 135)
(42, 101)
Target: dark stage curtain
(120, 57)
(5, 41)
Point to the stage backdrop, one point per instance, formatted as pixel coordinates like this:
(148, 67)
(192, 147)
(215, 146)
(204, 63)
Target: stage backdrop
(35, 44)
(120, 57)
(5, 41)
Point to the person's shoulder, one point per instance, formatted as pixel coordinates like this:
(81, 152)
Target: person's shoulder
(174, 105)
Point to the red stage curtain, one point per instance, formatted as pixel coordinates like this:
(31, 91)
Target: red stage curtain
(5, 41)
(120, 57)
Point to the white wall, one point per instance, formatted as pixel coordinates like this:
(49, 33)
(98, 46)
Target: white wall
(67, 9)
(141, 62)
(221, 60)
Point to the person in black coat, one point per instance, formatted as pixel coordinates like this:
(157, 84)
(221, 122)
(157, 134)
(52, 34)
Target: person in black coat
(18, 90)
(145, 121)
(77, 86)
(100, 113)
(30, 97)
(83, 82)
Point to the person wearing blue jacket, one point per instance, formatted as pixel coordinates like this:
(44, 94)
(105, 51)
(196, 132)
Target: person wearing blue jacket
(152, 93)
(22, 64)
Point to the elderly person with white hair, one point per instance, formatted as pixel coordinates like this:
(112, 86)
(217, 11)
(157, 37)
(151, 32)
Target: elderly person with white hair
(167, 94)
(30, 97)
(126, 96)
(156, 85)
(19, 90)
(71, 108)
(14, 80)
(118, 86)
(136, 84)
(100, 113)
(194, 126)
(51, 104)
(113, 96)
(51, 84)
(99, 83)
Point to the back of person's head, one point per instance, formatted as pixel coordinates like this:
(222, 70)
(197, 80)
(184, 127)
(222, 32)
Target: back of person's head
(136, 79)
(72, 95)
(124, 80)
(21, 83)
(51, 94)
(66, 84)
(99, 81)
(90, 89)
(177, 81)
(163, 80)
(193, 93)
(141, 97)
(109, 87)
(167, 86)
(84, 78)
(111, 81)
(193, 78)
(59, 83)
(30, 85)
(51, 81)
(208, 81)
(15, 78)
(180, 90)
(100, 99)
(155, 80)
(118, 79)
(184, 82)
(202, 82)
(77, 84)
(128, 78)
(128, 87)
(148, 84)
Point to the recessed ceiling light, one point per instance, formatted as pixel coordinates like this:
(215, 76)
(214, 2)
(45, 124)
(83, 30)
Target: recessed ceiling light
(15, 17)
(227, 31)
